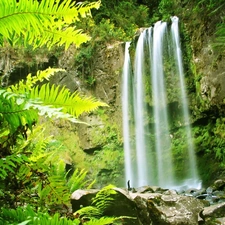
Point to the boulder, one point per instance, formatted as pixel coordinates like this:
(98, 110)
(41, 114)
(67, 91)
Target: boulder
(146, 208)
(167, 209)
(81, 198)
(214, 211)
(219, 185)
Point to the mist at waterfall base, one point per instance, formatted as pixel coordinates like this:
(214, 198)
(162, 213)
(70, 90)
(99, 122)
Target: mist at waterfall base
(156, 75)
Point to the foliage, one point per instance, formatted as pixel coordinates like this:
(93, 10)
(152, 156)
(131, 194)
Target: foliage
(220, 36)
(32, 175)
(77, 180)
(209, 142)
(210, 6)
(114, 21)
(124, 15)
(105, 169)
(104, 198)
(21, 103)
(29, 173)
(43, 23)
(27, 215)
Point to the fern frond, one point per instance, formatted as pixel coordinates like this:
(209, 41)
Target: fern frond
(24, 85)
(43, 22)
(89, 212)
(63, 100)
(78, 180)
(27, 215)
(53, 100)
(104, 198)
(102, 221)
(12, 110)
(9, 163)
(55, 192)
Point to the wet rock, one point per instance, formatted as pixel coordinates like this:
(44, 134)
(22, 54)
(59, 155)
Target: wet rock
(81, 198)
(217, 210)
(214, 212)
(145, 189)
(219, 184)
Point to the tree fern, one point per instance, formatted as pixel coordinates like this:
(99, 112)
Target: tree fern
(43, 23)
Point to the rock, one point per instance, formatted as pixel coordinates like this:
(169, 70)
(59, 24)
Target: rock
(219, 185)
(221, 220)
(158, 189)
(214, 211)
(91, 150)
(81, 198)
(146, 208)
(170, 192)
(145, 189)
(167, 209)
(121, 205)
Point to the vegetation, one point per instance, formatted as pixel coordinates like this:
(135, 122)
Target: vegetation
(29, 174)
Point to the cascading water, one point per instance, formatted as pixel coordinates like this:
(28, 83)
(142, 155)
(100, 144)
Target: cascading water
(150, 160)
(192, 165)
(126, 116)
(139, 109)
(162, 146)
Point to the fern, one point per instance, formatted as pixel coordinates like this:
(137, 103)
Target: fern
(88, 212)
(9, 163)
(54, 192)
(21, 103)
(63, 99)
(104, 198)
(78, 180)
(12, 110)
(43, 23)
(103, 221)
(22, 216)
(94, 216)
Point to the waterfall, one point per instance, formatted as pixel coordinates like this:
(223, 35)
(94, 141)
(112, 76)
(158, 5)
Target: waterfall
(192, 165)
(139, 107)
(126, 116)
(164, 158)
(147, 142)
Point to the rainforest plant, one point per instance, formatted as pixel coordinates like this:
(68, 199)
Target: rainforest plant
(26, 176)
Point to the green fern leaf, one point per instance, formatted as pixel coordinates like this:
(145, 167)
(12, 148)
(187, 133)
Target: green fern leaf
(51, 101)
(101, 221)
(15, 114)
(46, 22)
(89, 212)
(104, 197)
